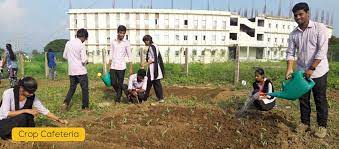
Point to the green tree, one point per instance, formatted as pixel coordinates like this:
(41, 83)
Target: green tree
(57, 45)
(333, 41)
(35, 52)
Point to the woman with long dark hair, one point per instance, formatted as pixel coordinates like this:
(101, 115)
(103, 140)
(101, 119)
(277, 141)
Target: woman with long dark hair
(155, 71)
(20, 105)
(11, 62)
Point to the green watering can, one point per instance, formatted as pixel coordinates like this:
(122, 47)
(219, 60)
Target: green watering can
(294, 88)
(105, 78)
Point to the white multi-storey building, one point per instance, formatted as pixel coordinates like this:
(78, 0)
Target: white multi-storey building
(207, 36)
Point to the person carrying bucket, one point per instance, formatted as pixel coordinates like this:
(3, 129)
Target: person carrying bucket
(312, 41)
(120, 48)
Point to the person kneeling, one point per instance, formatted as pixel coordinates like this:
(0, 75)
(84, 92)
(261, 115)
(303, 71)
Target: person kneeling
(136, 87)
(261, 87)
(20, 105)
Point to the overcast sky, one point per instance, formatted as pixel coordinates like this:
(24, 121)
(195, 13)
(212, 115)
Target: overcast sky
(31, 24)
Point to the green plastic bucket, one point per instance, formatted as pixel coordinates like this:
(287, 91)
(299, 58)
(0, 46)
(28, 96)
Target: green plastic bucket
(294, 88)
(106, 78)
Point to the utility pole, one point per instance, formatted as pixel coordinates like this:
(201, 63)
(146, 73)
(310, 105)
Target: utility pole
(113, 3)
(70, 4)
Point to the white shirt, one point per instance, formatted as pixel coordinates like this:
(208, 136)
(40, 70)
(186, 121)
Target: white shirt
(120, 50)
(134, 84)
(151, 66)
(75, 53)
(309, 45)
(8, 104)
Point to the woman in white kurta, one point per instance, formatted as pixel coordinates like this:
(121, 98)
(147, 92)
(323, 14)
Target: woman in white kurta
(155, 68)
(19, 106)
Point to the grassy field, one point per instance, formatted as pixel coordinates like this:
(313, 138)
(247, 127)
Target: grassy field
(199, 111)
(215, 73)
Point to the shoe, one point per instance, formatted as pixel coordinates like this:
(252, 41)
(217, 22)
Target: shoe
(302, 128)
(161, 101)
(65, 107)
(86, 110)
(321, 132)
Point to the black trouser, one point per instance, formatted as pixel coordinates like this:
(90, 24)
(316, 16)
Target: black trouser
(260, 105)
(157, 88)
(141, 95)
(117, 81)
(74, 80)
(21, 120)
(319, 94)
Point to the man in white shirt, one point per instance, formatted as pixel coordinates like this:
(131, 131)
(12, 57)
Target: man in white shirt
(75, 54)
(310, 38)
(120, 49)
(136, 88)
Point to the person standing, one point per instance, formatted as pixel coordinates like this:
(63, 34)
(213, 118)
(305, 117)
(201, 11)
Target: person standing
(75, 54)
(51, 64)
(10, 60)
(311, 39)
(155, 69)
(120, 49)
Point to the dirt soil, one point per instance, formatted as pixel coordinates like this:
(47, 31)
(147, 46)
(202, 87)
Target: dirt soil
(174, 126)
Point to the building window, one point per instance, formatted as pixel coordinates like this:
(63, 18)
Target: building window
(177, 22)
(203, 52)
(275, 39)
(166, 38)
(126, 37)
(185, 22)
(203, 23)
(224, 24)
(157, 37)
(118, 18)
(195, 23)
(234, 21)
(204, 37)
(146, 21)
(156, 21)
(276, 26)
(107, 21)
(269, 25)
(213, 53)
(268, 39)
(215, 23)
(196, 37)
(185, 37)
(177, 37)
(260, 37)
(223, 38)
(176, 53)
(223, 53)
(283, 26)
(288, 27)
(166, 22)
(194, 52)
(98, 52)
(233, 36)
(282, 40)
(261, 23)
